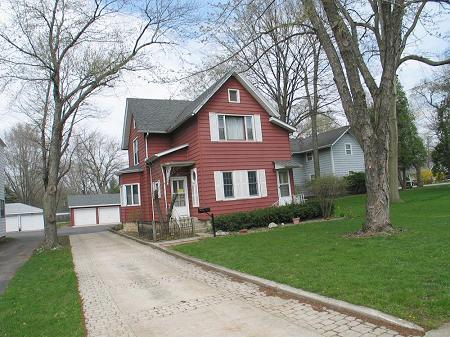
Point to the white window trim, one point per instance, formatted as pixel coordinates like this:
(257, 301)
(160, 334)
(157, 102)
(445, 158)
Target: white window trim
(136, 151)
(124, 195)
(232, 184)
(258, 182)
(258, 194)
(245, 129)
(134, 123)
(307, 157)
(351, 149)
(288, 183)
(238, 96)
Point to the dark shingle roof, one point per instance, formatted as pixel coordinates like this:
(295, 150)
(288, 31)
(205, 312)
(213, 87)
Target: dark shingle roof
(93, 200)
(155, 115)
(164, 116)
(2, 143)
(130, 169)
(325, 139)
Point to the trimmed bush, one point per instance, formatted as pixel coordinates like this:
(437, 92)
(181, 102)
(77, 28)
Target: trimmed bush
(356, 182)
(262, 217)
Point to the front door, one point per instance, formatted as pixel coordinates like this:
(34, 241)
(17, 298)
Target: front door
(179, 189)
(284, 187)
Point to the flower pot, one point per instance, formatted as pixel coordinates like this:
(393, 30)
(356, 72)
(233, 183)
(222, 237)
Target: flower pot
(296, 221)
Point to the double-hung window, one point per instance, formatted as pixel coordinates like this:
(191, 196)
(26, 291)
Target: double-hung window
(135, 151)
(228, 191)
(309, 156)
(132, 195)
(236, 127)
(252, 183)
(348, 149)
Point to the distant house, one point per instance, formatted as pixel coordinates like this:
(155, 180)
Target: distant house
(2, 189)
(94, 209)
(227, 150)
(339, 154)
(22, 217)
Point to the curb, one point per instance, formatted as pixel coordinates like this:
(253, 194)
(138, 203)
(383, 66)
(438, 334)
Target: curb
(367, 314)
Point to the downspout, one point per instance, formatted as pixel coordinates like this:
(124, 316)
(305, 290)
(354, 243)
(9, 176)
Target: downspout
(151, 193)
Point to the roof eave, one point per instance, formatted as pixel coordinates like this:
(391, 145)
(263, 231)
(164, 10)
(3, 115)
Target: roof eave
(282, 124)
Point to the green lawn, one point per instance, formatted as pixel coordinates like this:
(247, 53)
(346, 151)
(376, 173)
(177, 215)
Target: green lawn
(42, 299)
(406, 275)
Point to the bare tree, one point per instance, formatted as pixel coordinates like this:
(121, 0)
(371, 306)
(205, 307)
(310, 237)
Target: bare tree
(283, 60)
(23, 165)
(73, 49)
(341, 30)
(96, 160)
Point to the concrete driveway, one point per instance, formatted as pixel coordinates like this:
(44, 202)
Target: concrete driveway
(18, 247)
(129, 289)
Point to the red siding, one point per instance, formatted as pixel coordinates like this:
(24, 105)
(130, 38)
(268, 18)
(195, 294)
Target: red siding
(220, 156)
(211, 156)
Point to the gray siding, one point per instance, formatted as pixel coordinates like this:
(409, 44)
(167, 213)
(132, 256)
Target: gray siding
(343, 163)
(302, 175)
(2, 187)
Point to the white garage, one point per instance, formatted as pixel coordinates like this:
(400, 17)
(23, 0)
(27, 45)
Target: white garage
(22, 217)
(94, 209)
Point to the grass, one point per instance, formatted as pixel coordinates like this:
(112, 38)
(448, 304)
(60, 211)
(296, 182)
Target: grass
(406, 275)
(42, 299)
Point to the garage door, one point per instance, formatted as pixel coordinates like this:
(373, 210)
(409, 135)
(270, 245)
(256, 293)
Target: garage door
(32, 222)
(12, 223)
(85, 216)
(109, 215)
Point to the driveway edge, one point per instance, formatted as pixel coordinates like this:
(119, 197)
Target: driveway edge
(367, 314)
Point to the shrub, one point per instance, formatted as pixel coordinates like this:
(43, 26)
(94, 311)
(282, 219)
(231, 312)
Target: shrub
(427, 176)
(262, 217)
(326, 189)
(356, 182)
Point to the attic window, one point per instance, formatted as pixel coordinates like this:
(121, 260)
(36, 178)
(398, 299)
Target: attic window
(233, 96)
(134, 123)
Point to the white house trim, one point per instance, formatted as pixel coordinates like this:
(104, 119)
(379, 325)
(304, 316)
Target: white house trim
(101, 205)
(284, 125)
(343, 133)
(173, 149)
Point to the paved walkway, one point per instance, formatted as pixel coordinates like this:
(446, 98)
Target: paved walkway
(129, 289)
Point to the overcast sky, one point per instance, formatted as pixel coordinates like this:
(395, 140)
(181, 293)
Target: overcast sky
(112, 101)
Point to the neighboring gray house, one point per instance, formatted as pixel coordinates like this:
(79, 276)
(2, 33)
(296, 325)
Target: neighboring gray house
(339, 154)
(2, 189)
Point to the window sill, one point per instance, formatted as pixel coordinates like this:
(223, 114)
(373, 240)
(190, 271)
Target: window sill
(246, 198)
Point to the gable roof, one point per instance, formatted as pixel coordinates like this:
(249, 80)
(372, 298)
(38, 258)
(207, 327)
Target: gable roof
(19, 208)
(325, 140)
(90, 200)
(164, 116)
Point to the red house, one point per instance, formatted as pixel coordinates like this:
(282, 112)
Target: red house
(227, 150)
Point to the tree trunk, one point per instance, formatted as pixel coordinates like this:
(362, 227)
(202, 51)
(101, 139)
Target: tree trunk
(393, 150)
(419, 180)
(50, 194)
(377, 183)
(315, 143)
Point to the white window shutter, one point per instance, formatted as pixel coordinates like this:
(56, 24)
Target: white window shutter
(213, 126)
(218, 184)
(258, 129)
(194, 187)
(262, 183)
